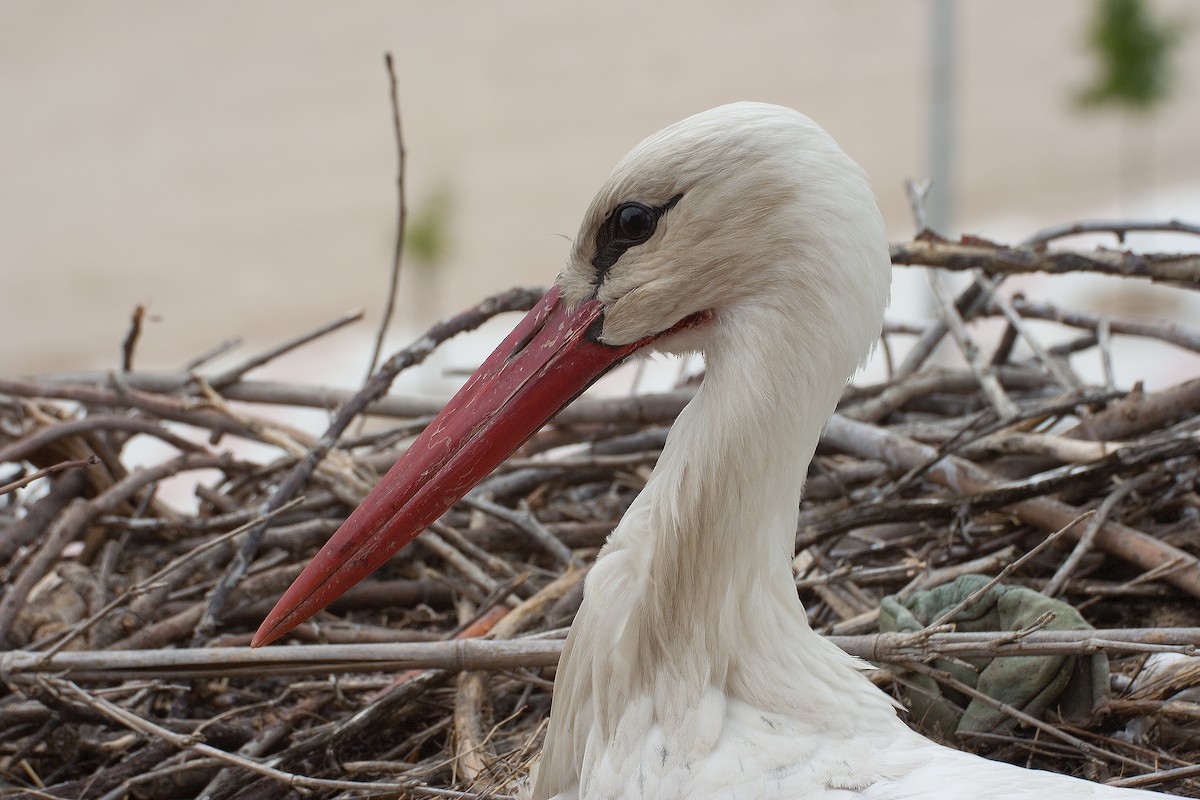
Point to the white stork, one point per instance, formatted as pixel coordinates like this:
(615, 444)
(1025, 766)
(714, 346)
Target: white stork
(744, 233)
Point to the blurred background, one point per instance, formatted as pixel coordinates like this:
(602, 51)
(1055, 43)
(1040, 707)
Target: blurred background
(231, 166)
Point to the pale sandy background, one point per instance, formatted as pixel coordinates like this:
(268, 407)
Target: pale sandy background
(231, 165)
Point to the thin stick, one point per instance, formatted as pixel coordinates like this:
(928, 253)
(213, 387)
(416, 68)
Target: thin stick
(1104, 342)
(1065, 378)
(29, 444)
(1088, 537)
(42, 473)
(131, 338)
(974, 596)
(1171, 332)
(527, 523)
(24, 667)
(218, 350)
(918, 192)
(40, 515)
(969, 301)
(1000, 401)
(1161, 776)
(1118, 227)
(401, 218)
(234, 373)
(466, 567)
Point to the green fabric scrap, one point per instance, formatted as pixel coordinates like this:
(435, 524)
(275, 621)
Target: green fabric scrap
(1073, 685)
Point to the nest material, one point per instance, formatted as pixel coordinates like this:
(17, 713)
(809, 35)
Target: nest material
(128, 621)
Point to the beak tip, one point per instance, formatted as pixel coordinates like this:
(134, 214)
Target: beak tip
(270, 630)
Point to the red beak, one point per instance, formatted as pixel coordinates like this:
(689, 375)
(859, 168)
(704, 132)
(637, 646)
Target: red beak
(546, 362)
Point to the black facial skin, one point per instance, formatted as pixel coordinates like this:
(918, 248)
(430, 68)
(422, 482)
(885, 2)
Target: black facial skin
(627, 225)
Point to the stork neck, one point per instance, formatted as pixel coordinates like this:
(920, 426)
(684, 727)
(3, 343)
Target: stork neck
(713, 533)
(692, 608)
(726, 495)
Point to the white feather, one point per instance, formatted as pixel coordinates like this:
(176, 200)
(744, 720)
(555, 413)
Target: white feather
(691, 670)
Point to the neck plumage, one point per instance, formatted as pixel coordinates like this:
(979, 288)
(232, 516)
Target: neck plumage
(692, 602)
(715, 526)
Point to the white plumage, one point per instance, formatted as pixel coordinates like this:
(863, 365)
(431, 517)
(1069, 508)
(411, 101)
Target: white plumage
(691, 671)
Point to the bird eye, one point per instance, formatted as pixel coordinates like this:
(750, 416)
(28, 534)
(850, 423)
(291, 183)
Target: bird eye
(628, 225)
(635, 222)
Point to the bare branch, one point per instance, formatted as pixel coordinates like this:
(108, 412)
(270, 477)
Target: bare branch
(996, 259)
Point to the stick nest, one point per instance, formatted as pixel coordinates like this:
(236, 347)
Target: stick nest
(127, 621)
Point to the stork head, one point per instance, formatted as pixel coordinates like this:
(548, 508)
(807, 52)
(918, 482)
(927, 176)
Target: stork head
(744, 209)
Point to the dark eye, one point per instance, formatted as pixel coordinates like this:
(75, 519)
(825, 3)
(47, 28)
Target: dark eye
(635, 222)
(628, 225)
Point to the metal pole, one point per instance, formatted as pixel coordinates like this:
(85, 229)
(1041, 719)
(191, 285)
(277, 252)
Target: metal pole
(941, 115)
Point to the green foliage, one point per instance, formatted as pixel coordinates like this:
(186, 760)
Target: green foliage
(427, 230)
(1133, 51)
